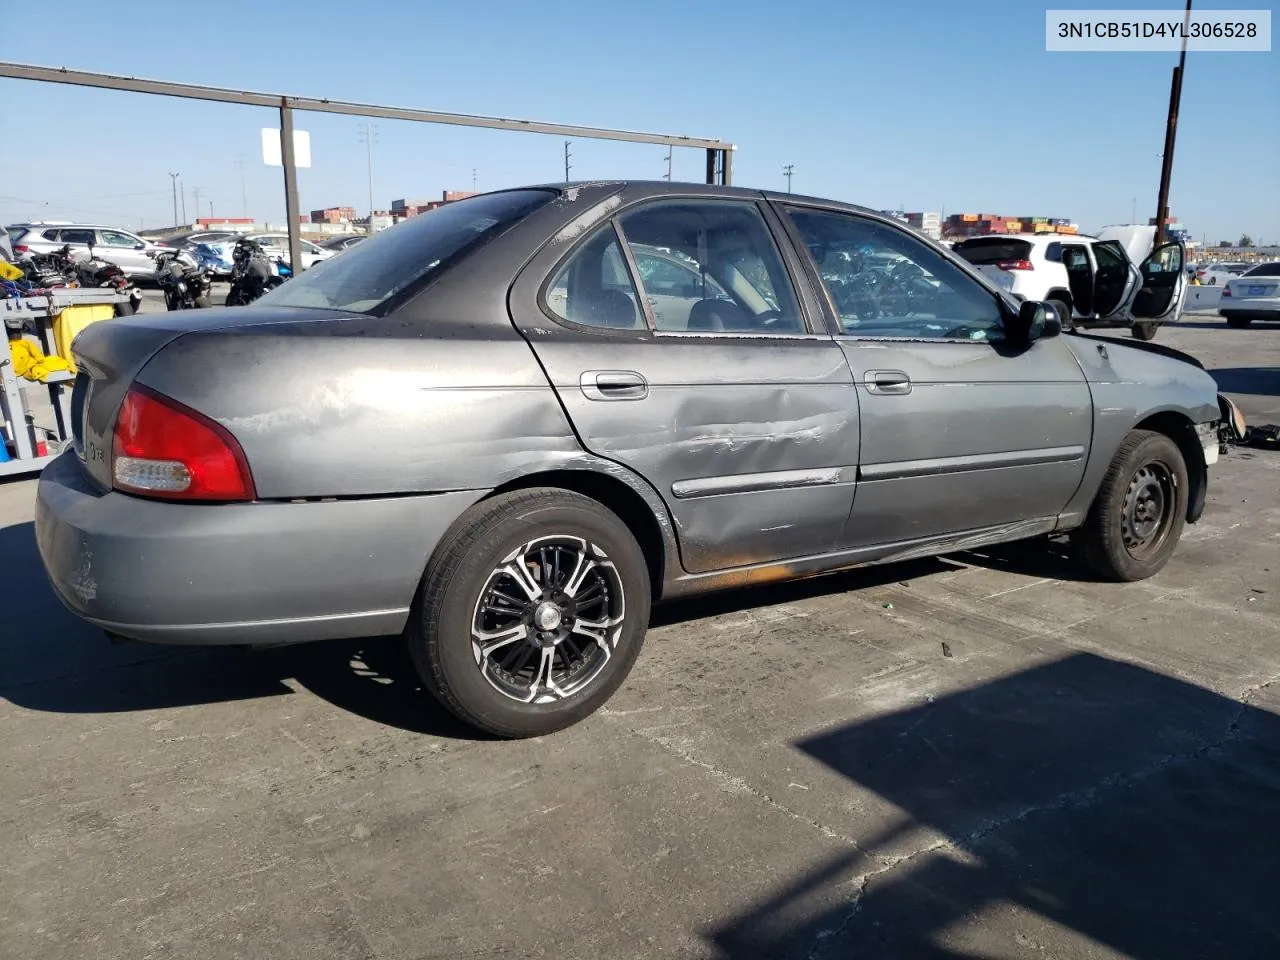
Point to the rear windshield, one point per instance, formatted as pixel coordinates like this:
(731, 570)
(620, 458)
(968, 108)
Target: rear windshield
(991, 250)
(1265, 270)
(408, 256)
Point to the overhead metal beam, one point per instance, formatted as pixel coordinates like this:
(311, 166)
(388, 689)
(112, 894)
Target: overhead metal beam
(22, 71)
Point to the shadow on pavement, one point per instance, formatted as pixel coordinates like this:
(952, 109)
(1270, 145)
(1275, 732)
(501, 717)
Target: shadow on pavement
(1139, 811)
(1258, 381)
(52, 661)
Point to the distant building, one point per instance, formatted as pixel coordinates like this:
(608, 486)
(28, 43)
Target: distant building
(333, 215)
(411, 208)
(930, 224)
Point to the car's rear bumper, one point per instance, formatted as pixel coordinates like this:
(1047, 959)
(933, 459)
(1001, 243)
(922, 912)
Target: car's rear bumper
(254, 573)
(1268, 309)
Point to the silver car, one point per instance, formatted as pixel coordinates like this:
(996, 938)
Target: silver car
(132, 254)
(484, 430)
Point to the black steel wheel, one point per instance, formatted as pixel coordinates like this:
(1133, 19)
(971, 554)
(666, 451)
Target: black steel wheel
(1137, 516)
(531, 613)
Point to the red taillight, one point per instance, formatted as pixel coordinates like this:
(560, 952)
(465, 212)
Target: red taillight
(162, 448)
(1015, 265)
(1226, 292)
(21, 248)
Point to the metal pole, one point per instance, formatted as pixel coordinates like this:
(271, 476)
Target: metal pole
(368, 138)
(184, 202)
(1170, 133)
(290, 187)
(669, 152)
(566, 160)
(786, 172)
(726, 166)
(173, 181)
(711, 165)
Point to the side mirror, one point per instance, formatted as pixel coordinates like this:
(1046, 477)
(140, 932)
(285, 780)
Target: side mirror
(1035, 319)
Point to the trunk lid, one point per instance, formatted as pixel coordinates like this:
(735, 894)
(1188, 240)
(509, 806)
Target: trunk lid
(110, 355)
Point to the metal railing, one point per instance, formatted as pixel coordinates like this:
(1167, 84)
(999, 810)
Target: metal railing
(719, 154)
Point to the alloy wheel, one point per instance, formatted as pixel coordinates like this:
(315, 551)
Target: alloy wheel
(548, 619)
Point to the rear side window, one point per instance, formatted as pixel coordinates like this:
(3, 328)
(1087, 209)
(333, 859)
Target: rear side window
(77, 236)
(1264, 270)
(400, 261)
(594, 286)
(711, 266)
(989, 251)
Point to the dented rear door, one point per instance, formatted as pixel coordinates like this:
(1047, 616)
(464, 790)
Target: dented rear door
(749, 436)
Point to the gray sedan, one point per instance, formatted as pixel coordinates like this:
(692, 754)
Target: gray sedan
(503, 429)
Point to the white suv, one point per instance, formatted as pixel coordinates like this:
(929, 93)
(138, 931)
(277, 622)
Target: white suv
(1099, 278)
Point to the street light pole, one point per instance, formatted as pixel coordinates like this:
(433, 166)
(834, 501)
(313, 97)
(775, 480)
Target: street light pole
(786, 172)
(173, 180)
(1170, 133)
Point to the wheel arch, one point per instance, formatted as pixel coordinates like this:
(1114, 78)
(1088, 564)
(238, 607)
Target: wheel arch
(1180, 428)
(632, 501)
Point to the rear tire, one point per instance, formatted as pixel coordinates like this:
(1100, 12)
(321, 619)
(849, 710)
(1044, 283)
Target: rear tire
(1239, 322)
(1137, 516)
(1144, 330)
(203, 302)
(531, 612)
(126, 309)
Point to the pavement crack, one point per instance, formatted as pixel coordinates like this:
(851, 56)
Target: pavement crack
(738, 784)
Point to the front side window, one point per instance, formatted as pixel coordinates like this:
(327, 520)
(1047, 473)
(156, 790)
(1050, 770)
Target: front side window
(114, 238)
(593, 287)
(884, 282)
(398, 262)
(711, 266)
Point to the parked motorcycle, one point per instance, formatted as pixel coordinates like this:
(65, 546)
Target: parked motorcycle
(253, 272)
(186, 285)
(93, 271)
(49, 270)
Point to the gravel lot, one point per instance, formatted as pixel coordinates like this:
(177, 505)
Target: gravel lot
(978, 756)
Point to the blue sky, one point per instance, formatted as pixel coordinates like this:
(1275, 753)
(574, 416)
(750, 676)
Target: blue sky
(930, 105)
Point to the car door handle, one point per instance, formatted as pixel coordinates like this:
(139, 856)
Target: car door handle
(890, 382)
(613, 385)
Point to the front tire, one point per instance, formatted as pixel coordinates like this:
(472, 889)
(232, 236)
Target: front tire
(1137, 516)
(531, 613)
(1145, 330)
(1239, 322)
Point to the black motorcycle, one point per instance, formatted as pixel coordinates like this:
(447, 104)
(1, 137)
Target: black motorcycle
(50, 270)
(186, 286)
(93, 271)
(253, 273)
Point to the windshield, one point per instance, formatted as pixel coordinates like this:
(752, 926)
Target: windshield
(1265, 270)
(407, 256)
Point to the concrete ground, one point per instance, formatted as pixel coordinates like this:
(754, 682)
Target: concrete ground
(985, 755)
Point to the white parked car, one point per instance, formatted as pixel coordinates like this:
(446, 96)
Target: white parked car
(1216, 274)
(1254, 295)
(1113, 279)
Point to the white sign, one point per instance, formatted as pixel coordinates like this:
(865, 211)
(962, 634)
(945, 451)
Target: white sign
(271, 153)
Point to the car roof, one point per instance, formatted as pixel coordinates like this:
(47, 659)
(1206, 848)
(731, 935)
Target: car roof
(1033, 238)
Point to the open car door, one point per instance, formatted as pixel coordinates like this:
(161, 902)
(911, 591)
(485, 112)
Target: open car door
(1164, 288)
